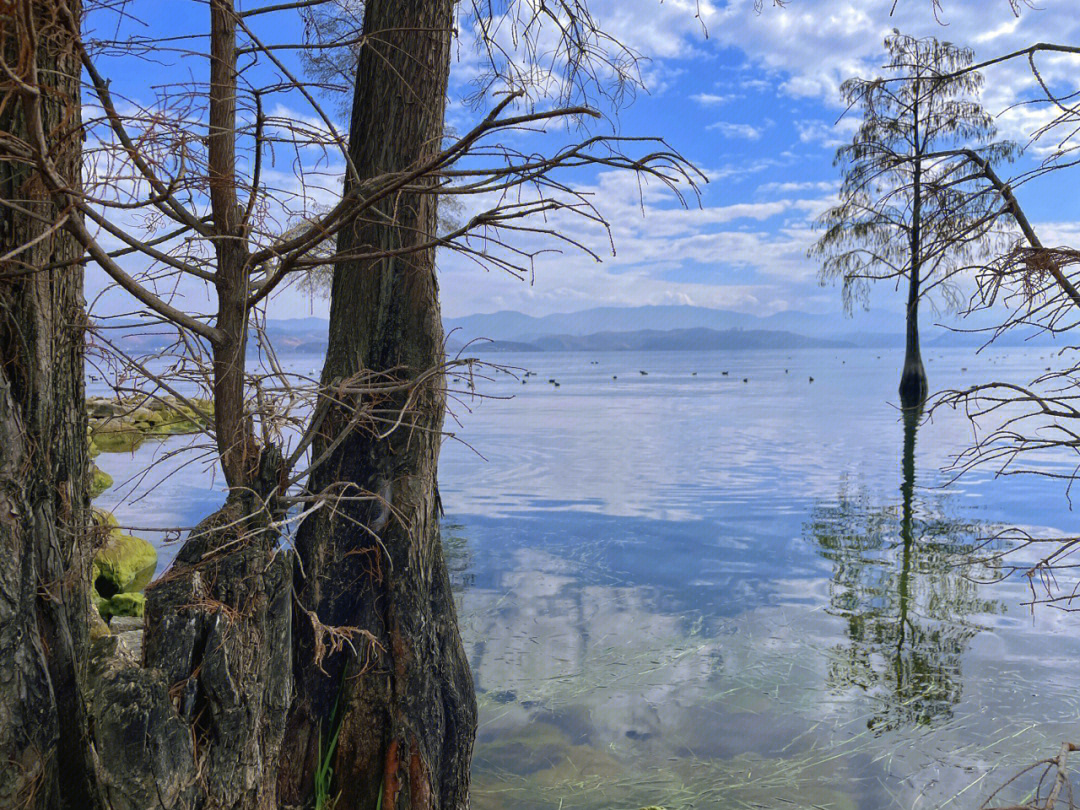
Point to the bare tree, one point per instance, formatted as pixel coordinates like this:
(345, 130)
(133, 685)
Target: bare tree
(181, 196)
(909, 211)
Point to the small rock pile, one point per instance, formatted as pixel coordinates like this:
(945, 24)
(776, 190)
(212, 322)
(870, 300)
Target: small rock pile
(121, 425)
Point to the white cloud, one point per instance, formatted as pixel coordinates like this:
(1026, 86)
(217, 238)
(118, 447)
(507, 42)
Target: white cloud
(824, 133)
(711, 99)
(733, 130)
(792, 187)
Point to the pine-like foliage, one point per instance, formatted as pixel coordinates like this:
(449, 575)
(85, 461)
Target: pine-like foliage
(912, 206)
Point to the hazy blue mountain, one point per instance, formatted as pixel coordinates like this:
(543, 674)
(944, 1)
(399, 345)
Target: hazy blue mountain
(667, 340)
(516, 326)
(682, 328)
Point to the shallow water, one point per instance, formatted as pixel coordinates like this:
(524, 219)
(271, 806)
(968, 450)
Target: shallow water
(694, 591)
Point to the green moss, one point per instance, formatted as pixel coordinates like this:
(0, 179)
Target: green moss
(98, 627)
(120, 426)
(122, 604)
(103, 517)
(116, 438)
(99, 480)
(178, 426)
(125, 564)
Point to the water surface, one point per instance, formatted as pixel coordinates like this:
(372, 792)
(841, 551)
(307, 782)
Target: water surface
(688, 588)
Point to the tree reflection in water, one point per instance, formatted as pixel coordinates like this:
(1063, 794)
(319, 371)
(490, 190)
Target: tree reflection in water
(903, 583)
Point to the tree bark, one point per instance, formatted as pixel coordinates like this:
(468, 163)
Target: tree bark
(45, 756)
(914, 386)
(400, 699)
(235, 436)
(913, 383)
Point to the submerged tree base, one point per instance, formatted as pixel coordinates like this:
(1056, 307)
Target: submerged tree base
(914, 387)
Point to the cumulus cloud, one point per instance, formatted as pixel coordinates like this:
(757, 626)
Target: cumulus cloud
(730, 129)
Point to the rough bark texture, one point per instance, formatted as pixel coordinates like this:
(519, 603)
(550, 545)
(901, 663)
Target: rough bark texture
(45, 756)
(218, 634)
(406, 709)
(146, 758)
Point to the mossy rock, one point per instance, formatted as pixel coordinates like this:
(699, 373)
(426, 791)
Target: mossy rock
(124, 564)
(115, 437)
(122, 604)
(177, 426)
(98, 627)
(103, 517)
(99, 480)
(95, 451)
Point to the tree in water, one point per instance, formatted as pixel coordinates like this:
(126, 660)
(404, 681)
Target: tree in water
(910, 207)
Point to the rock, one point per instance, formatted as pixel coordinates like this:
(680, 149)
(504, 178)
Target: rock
(103, 518)
(124, 564)
(122, 605)
(115, 437)
(125, 624)
(98, 628)
(99, 408)
(99, 480)
(121, 425)
(130, 644)
(122, 567)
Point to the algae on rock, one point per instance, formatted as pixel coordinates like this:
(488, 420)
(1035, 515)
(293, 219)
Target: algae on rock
(99, 480)
(122, 567)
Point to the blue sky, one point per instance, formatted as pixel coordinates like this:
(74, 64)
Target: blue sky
(754, 104)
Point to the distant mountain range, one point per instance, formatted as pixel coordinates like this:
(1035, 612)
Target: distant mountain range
(663, 340)
(648, 328)
(526, 328)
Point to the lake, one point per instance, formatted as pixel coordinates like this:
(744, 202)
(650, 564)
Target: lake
(688, 588)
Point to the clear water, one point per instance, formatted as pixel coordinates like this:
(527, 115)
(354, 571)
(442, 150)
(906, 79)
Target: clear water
(693, 591)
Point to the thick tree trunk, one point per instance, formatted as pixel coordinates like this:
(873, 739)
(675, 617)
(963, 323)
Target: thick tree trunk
(400, 699)
(45, 758)
(913, 383)
(218, 632)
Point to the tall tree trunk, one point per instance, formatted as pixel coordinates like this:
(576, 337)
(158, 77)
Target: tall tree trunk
(235, 437)
(45, 756)
(399, 700)
(913, 383)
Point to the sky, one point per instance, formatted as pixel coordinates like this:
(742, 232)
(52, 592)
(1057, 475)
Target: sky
(751, 98)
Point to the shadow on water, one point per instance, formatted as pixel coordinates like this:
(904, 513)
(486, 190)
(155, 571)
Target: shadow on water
(909, 602)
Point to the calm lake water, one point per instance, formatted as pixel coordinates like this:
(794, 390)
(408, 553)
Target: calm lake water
(687, 590)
